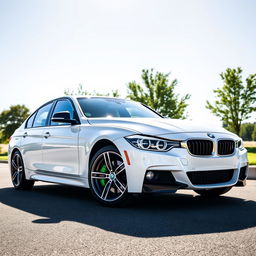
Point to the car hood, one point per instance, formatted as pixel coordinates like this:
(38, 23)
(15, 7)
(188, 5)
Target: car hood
(156, 126)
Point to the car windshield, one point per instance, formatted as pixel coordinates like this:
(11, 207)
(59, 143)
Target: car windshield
(111, 107)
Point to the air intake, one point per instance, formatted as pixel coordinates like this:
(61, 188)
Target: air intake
(210, 177)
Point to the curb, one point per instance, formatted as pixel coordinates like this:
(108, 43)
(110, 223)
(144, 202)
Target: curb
(251, 174)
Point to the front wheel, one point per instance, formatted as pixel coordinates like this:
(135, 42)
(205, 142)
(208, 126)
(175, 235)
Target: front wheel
(107, 177)
(213, 192)
(19, 180)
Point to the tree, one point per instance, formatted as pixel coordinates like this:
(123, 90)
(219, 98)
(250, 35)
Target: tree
(254, 133)
(158, 93)
(11, 119)
(235, 101)
(80, 90)
(246, 131)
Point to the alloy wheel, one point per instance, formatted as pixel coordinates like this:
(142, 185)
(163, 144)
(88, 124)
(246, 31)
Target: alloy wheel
(16, 170)
(108, 176)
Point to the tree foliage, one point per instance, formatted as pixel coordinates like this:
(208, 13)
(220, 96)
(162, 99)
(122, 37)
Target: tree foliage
(254, 133)
(81, 91)
(247, 131)
(235, 101)
(11, 119)
(158, 93)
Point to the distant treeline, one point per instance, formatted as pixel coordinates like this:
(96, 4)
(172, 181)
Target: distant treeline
(248, 131)
(234, 102)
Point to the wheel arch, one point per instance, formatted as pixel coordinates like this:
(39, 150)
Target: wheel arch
(13, 151)
(98, 145)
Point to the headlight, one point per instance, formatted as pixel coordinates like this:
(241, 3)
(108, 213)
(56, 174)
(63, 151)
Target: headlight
(151, 143)
(240, 144)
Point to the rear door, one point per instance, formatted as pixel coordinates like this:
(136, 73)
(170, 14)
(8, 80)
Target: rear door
(60, 142)
(33, 137)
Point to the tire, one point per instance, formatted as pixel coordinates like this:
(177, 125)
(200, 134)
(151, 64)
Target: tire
(107, 177)
(18, 177)
(213, 192)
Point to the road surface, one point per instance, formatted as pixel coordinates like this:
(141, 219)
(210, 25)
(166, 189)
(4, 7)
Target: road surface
(60, 220)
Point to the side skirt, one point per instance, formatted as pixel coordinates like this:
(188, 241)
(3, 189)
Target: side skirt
(66, 179)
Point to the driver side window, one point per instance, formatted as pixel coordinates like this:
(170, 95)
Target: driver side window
(63, 106)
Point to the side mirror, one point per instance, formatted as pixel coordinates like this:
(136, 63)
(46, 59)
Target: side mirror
(63, 117)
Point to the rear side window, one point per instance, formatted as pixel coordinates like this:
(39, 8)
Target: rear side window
(30, 121)
(64, 106)
(41, 115)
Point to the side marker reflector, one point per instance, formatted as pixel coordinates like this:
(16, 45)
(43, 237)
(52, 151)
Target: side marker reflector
(127, 157)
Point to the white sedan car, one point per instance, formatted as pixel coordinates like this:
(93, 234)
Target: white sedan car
(119, 147)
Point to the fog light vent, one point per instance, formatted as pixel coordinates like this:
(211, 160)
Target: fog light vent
(150, 175)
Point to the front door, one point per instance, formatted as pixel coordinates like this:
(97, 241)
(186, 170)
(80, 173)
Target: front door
(60, 143)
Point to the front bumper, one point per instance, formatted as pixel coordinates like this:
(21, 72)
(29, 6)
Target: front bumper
(179, 162)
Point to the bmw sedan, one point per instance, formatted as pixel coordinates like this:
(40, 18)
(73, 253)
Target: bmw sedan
(119, 147)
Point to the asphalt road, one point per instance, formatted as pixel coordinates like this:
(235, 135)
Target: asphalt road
(61, 220)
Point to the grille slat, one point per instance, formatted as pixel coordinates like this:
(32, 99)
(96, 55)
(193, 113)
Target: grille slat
(210, 177)
(226, 147)
(200, 147)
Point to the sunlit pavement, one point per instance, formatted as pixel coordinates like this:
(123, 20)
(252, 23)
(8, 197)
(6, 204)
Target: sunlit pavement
(61, 220)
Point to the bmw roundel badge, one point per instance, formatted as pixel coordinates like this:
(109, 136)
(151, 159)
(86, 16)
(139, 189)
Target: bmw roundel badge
(211, 135)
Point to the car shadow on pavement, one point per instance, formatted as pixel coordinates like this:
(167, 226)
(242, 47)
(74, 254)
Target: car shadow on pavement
(148, 216)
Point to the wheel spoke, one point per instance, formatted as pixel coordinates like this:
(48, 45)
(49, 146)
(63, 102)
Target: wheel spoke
(99, 175)
(15, 174)
(120, 186)
(106, 189)
(108, 161)
(14, 165)
(19, 177)
(120, 171)
(119, 168)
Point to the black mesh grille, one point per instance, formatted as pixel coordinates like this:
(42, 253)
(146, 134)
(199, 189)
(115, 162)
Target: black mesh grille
(226, 147)
(210, 177)
(200, 147)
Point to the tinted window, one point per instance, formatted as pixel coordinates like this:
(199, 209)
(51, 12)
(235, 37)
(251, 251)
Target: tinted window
(30, 121)
(41, 116)
(105, 107)
(61, 106)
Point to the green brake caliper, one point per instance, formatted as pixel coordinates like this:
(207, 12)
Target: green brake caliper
(103, 170)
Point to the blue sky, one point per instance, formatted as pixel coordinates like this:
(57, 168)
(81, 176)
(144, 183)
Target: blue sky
(48, 46)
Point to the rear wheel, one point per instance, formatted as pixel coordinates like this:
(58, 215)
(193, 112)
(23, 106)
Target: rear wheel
(19, 180)
(213, 192)
(107, 177)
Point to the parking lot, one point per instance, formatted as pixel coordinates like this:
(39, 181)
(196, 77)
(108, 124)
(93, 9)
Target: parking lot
(60, 220)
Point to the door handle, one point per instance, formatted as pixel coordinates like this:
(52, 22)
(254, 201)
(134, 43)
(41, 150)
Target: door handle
(47, 135)
(25, 134)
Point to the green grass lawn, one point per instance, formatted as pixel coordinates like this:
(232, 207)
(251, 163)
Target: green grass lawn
(3, 156)
(251, 155)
